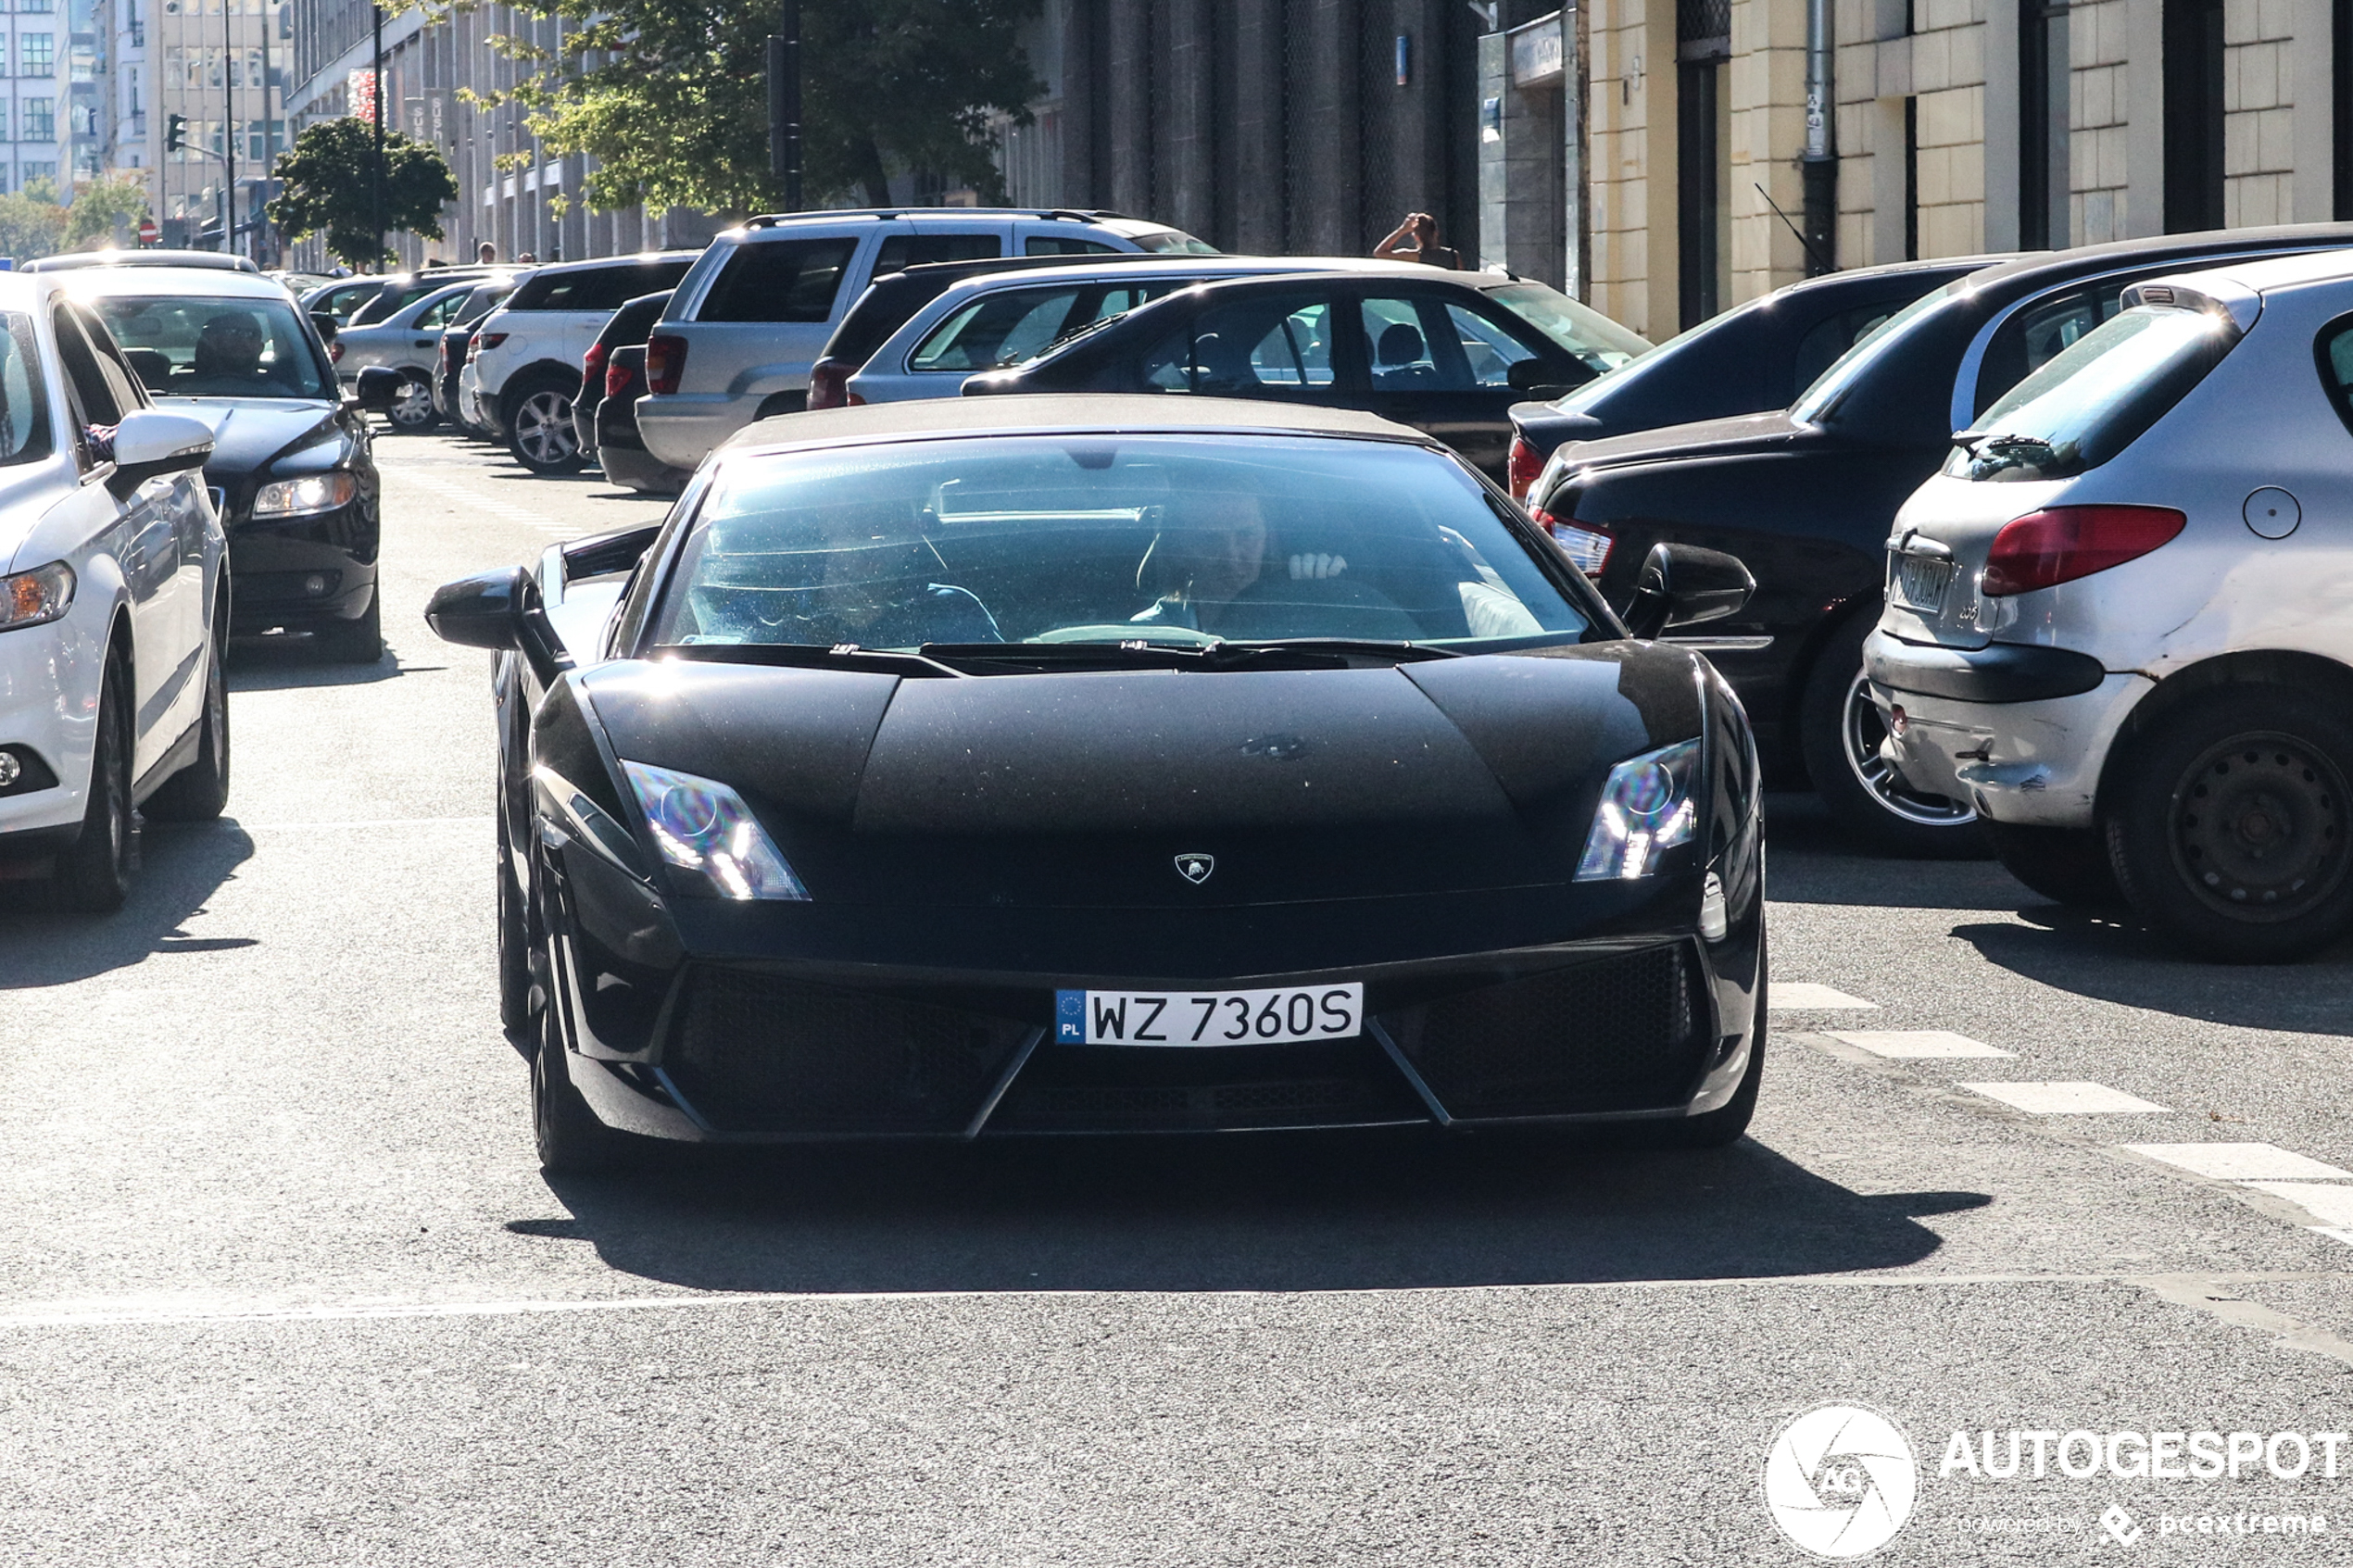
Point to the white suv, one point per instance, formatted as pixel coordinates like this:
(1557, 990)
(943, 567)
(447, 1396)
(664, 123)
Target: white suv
(2117, 622)
(740, 335)
(525, 359)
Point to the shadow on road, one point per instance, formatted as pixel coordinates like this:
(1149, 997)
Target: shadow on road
(1819, 862)
(1313, 1212)
(2111, 957)
(181, 867)
(276, 664)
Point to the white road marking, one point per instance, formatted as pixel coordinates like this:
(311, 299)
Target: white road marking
(1916, 1043)
(2067, 1099)
(371, 822)
(2331, 1206)
(2335, 1232)
(1803, 995)
(2238, 1162)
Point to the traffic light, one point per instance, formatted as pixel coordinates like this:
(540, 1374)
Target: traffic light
(176, 136)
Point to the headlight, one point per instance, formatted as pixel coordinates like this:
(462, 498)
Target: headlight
(1646, 806)
(30, 599)
(312, 492)
(704, 827)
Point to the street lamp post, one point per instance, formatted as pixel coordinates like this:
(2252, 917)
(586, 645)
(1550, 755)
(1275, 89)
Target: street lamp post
(229, 133)
(376, 173)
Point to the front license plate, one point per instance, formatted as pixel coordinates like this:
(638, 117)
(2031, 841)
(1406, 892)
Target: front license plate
(1208, 1017)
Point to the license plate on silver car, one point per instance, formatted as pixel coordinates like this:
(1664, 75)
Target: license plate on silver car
(1921, 581)
(1208, 1017)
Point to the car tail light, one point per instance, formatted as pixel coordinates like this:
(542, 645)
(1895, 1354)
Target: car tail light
(828, 384)
(1522, 467)
(665, 365)
(1587, 545)
(616, 379)
(591, 367)
(486, 340)
(334, 352)
(2044, 548)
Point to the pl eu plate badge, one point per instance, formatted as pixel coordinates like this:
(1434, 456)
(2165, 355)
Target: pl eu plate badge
(1070, 1017)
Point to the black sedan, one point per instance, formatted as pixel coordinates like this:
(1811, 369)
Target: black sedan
(292, 471)
(1752, 360)
(1100, 765)
(1806, 497)
(1447, 353)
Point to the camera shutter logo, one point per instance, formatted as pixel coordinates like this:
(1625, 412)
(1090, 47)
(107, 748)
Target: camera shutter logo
(1840, 1481)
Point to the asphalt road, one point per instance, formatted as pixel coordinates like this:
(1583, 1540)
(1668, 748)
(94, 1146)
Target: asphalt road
(281, 1283)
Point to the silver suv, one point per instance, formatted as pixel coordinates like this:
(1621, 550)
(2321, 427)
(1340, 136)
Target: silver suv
(745, 325)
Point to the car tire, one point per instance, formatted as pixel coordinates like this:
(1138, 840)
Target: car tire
(412, 411)
(572, 1142)
(2230, 830)
(93, 877)
(354, 642)
(539, 432)
(1839, 731)
(199, 792)
(2068, 866)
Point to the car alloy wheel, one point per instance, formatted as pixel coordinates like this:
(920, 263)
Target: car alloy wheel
(94, 876)
(1860, 732)
(543, 437)
(2258, 827)
(412, 408)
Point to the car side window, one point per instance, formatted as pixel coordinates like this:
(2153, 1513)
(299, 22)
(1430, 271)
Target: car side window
(779, 281)
(997, 329)
(1488, 350)
(122, 382)
(2335, 356)
(2039, 333)
(93, 398)
(439, 315)
(1048, 245)
(899, 252)
(1405, 354)
(1248, 348)
(1824, 342)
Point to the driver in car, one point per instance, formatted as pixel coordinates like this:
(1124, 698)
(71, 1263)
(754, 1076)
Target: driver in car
(227, 353)
(1210, 550)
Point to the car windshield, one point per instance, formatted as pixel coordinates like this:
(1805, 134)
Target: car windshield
(1593, 338)
(198, 346)
(24, 410)
(1171, 242)
(2096, 397)
(1820, 400)
(1167, 541)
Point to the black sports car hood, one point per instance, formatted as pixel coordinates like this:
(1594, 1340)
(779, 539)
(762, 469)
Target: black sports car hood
(1707, 438)
(248, 433)
(1083, 789)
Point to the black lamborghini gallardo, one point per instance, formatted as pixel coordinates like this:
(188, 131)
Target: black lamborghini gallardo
(1020, 766)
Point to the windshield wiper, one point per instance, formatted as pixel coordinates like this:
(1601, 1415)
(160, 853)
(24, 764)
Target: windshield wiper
(809, 656)
(1242, 650)
(1320, 653)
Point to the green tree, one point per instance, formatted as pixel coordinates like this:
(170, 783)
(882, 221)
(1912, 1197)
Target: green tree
(670, 96)
(327, 176)
(100, 206)
(31, 222)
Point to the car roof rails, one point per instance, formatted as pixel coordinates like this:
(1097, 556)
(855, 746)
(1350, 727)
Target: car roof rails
(1063, 214)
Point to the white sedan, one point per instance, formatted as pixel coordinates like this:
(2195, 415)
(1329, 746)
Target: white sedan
(114, 604)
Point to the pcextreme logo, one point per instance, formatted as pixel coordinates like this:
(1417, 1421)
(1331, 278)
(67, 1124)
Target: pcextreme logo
(1840, 1480)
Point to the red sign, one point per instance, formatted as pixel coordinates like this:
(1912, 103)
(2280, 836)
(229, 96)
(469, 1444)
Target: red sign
(149, 233)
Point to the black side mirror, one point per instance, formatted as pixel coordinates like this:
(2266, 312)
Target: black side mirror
(328, 329)
(1683, 585)
(500, 610)
(378, 388)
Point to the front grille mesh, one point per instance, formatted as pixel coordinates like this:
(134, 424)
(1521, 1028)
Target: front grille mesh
(1621, 1034)
(753, 1052)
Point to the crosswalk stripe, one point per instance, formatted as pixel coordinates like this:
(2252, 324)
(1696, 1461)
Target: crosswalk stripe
(1804, 996)
(2326, 1201)
(1916, 1043)
(2238, 1162)
(2066, 1098)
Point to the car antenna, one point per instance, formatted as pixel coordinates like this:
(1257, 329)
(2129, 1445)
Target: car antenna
(1793, 229)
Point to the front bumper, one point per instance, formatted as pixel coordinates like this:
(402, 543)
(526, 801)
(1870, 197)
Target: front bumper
(683, 427)
(49, 684)
(2027, 763)
(305, 572)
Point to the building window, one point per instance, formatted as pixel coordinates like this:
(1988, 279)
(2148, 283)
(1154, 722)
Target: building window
(39, 123)
(33, 5)
(2342, 97)
(132, 102)
(3, 121)
(2043, 172)
(1911, 179)
(36, 54)
(39, 171)
(1704, 145)
(2193, 61)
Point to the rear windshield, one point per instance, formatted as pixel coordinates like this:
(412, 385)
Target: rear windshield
(1162, 539)
(1170, 242)
(1819, 401)
(481, 303)
(779, 281)
(634, 322)
(597, 288)
(1008, 326)
(1592, 338)
(393, 299)
(2095, 398)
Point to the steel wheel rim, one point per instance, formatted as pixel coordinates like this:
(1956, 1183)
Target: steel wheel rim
(2258, 830)
(118, 800)
(1859, 733)
(543, 428)
(414, 406)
